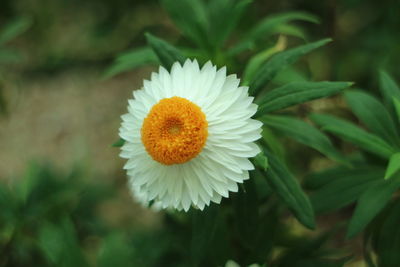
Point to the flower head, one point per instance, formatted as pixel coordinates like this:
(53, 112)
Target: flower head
(189, 136)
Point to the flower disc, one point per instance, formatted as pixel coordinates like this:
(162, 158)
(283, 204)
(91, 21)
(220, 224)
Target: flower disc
(174, 131)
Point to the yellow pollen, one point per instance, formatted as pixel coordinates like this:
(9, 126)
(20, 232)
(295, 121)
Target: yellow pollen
(174, 131)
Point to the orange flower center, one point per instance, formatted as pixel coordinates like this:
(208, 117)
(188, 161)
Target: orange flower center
(174, 131)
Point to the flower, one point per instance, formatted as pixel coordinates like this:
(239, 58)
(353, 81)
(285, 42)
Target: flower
(189, 136)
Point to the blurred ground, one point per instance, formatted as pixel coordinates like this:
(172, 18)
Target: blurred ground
(69, 117)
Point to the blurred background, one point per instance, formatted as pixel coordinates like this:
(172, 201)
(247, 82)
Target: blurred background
(60, 178)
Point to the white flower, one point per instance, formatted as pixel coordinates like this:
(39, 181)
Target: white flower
(189, 135)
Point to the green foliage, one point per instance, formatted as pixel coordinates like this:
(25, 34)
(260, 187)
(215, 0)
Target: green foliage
(119, 143)
(7, 55)
(371, 202)
(340, 187)
(270, 69)
(393, 166)
(166, 53)
(387, 238)
(296, 93)
(303, 133)
(130, 60)
(354, 134)
(14, 28)
(373, 196)
(39, 218)
(289, 190)
(269, 26)
(373, 114)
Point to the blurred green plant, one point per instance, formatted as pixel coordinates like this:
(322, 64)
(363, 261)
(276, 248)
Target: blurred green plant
(41, 214)
(207, 28)
(7, 33)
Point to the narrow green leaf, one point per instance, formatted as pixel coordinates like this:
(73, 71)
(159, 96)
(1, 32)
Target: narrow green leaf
(119, 143)
(166, 53)
(14, 28)
(190, 16)
(388, 239)
(262, 186)
(353, 134)
(305, 134)
(289, 190)
(343, 188)
(371, 203)
(258, 59)
(373, 114)
(271, 140)
(394, 165)
(278, 62)
(130, 60)
(396, 103)
(288, 75)
(292, 30)
(316, 180)
(268, 26)
(224, 15)
(60, 245)
(296, 93)
(389, 88)
(261, 161)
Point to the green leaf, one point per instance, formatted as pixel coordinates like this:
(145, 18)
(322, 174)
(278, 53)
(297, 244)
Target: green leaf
(204, 226)
(116, 251)
(166, 53)
(388, 239)
(289, 190)
(119, 143)
(371, 203)
(278, 62)
(396, 103)
(190, 16)
(60, 245)
(224, 15)
(14, 28)
(296, 93)
(258, 59)
(288, 75)
(269, 138)
(353, 134)
(130, 60)
(261, 161)
(269, 26)
(394, 165)
(373, 114)
(303, 133)
(389, 88)
(291, 30)
(343, 188)
(262, 186)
